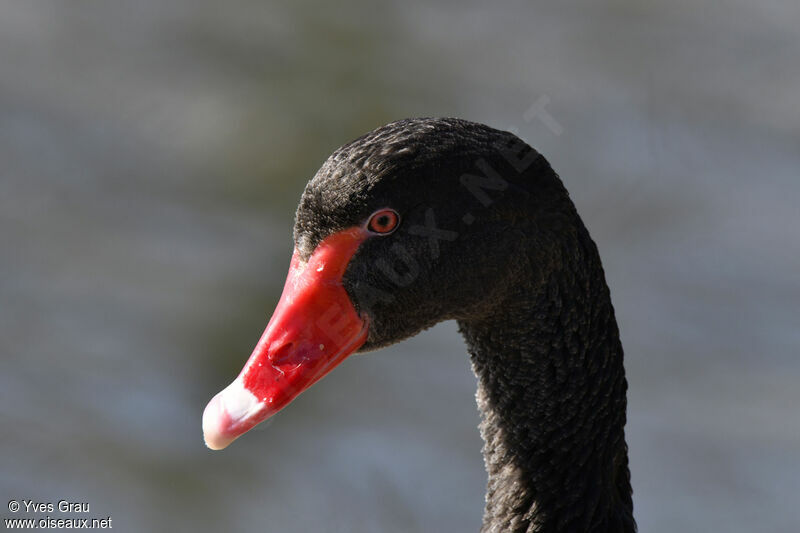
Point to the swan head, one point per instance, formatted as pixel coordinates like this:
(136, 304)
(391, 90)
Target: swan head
(419, 221)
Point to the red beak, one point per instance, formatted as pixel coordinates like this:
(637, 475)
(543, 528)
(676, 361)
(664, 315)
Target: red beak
(314, 328)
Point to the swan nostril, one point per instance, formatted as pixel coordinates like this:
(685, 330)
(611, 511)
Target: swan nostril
(283, 354)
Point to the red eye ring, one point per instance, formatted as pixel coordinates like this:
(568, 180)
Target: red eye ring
(383, 221)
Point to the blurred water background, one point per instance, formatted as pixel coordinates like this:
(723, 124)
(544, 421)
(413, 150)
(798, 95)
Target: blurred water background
(151, 157)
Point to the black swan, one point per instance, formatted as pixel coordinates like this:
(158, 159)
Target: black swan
(425, 220)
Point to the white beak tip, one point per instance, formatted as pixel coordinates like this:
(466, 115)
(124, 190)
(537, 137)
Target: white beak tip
(214, 418)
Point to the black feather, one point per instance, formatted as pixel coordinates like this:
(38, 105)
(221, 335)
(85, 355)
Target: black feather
(490, 238)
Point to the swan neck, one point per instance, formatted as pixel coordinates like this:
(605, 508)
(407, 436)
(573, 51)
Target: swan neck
(552, 398)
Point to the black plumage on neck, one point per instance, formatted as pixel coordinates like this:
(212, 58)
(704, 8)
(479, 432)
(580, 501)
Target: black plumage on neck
(552, 397)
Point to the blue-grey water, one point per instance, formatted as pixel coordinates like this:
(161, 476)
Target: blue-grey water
(152, 154)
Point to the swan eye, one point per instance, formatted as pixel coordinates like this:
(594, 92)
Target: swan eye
(384, 221)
